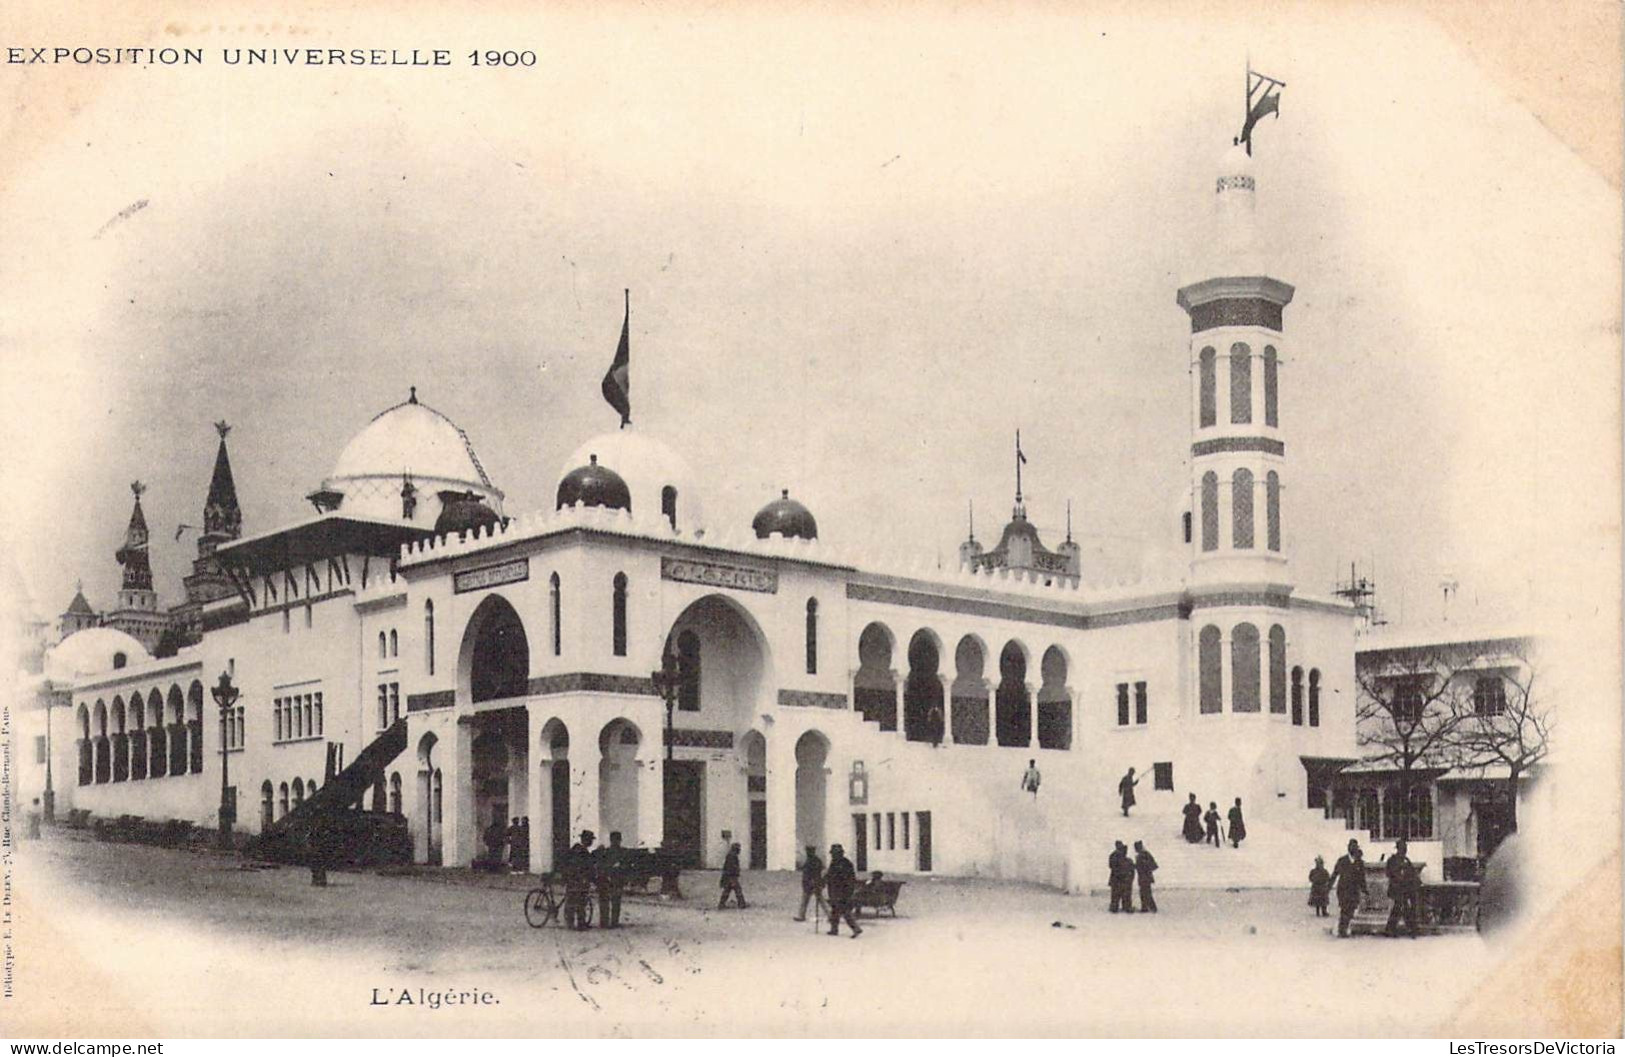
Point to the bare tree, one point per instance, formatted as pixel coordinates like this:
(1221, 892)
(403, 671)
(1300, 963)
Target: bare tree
(1409, 714)
(1505, 720)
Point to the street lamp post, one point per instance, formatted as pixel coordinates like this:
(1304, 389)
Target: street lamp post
(666, 681)
(225, 695)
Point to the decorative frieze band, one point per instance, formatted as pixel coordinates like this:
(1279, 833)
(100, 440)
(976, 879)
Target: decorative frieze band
(1224, 445)
(700, 739)
(591, 682)
(1236, 312)
(811, 699)
(434, 699)
(1268, 599)
(718, 574)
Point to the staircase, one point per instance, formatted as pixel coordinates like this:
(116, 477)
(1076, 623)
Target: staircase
(326, 826)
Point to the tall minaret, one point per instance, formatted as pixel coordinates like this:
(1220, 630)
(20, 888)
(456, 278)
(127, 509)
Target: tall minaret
(1238, 448)
(222, 523)
(137, 610)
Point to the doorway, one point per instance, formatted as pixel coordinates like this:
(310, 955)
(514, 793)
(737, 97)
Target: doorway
(684, 788)
(758, 834)
(860, 842)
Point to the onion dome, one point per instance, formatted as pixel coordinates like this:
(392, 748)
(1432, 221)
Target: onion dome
(594, 485)
(657, 478)
(462, 512)
(408, 440)
(785, 517)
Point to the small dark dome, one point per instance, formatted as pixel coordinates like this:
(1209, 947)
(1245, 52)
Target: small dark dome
(594, 485)
(785, 517)
(463, 512)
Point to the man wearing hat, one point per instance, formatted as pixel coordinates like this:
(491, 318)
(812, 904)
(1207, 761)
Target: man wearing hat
(1348, 878)
(1404, 891)
(840, 880)
(812, 879)
(577, 869)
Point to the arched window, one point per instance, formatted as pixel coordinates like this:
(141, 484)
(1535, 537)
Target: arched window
(618, 617)
(428, 633)
(1314, 697)
(558, 623)
(1277, 669)
(1210, 511)
(1244, 668)
(1272, 510)
(688, 672)
(298, 792)
(383, 645)
(267, 808)
(1241, 383)
(1012, 705)
(1210, 671)
(668, 504)
(812, 636)
(1297, 696)
(394, 643)
(1209, 388)
(1271, 380)
(1241, 509)
(282, 798)
(395, 793)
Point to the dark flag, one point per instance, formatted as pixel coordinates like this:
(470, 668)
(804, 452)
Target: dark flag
(1263, 99)
(618, 381)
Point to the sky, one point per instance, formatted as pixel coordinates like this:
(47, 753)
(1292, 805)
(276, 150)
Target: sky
(862, 252)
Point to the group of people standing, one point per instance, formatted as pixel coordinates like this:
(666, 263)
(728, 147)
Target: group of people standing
(839, 881)
(1204, 828)
(1348, 880)
(510, 843)
(1123, 870)
(585, 870)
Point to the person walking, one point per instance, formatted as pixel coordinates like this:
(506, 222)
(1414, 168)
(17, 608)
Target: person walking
(730, 879)
(1403, 889)
(1030, 779)
(1348, 880)
(1238, 828)
(1120, 879)
(840, 880)
(1320, 885)
(1125, 790)
(515, 837)
(812, 879)
(609, 878)
(1193, 820)
(1145, 867)
(1212, 820)
(577, 870)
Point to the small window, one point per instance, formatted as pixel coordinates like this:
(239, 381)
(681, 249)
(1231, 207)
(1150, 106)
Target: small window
(668, 504)
(310, 615)
(1241, 383)
(394, 643)
(1162, 776)
(1186, 519)
(618, 617)
(557, 606)
(1210, 511)
(428, 633)
(891, 831)
(688, 672)
(318, 713)
(287, 622)
(905, 831)
(1208, 388)
(394, 702)
(1489, 695)
(1314, 697)
(1409, 700)
(383, 705)
(1122, 704)
(812, 636)
(120, 660)
(383, 645)
(1141, 705)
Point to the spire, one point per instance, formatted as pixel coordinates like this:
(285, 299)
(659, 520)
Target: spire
(1069, 521)
(971, 505)
(1020, 511)
(133, 555)
(79, 606)
(222, 517)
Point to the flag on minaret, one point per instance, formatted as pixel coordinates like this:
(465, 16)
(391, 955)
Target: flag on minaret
(1263, 99)
(618, 381)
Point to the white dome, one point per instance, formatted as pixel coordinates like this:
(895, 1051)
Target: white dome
(91, 652)
(649, 467)
(415, 440)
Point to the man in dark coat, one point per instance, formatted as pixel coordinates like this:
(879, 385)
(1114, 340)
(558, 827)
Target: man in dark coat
(812, 879)
(609, 878)
(1348, 880)
(1120, 879)
(1125, 790)
(730, 878)
(577, 868)
(1404, 886)
(840, 880)
(1193, 820)
(1145, 865)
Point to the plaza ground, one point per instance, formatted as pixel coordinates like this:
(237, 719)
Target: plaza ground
(132, 940)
